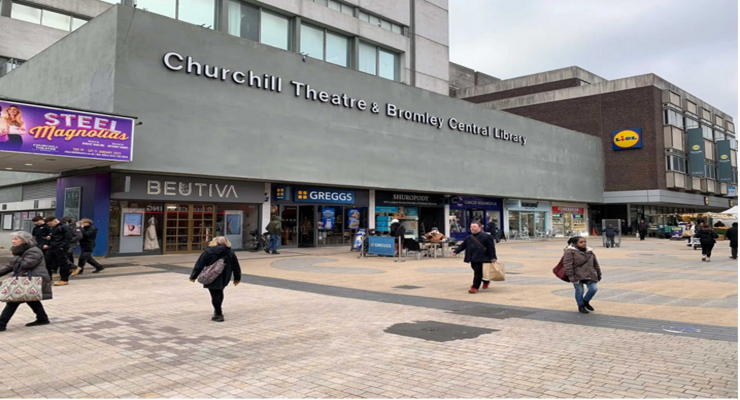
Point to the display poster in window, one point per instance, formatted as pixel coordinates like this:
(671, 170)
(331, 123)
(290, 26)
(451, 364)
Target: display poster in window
(50, 131)
(353, 216)
(72, 198)
(359, 237)
(233, 224)
(132, 224)
(328, 218)
(17, 221)
(7, 221)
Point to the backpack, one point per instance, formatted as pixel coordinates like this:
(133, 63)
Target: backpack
(211, 272)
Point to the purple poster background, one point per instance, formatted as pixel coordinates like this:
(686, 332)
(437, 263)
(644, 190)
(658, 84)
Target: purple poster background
(50, 131)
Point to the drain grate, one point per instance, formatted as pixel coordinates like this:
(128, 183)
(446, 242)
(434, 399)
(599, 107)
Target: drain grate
(437, 331)
(492, 312)
(407, 287)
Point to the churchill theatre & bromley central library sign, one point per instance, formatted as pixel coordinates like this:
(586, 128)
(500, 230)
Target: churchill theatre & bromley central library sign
(267, 82)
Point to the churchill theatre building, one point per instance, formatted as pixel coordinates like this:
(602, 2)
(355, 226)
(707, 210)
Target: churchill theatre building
(232, 128)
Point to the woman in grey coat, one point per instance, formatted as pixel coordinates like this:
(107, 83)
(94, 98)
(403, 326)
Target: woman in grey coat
(27, 258)
(582, 268)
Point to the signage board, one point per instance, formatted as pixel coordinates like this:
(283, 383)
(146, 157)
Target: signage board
(696, 152)
(323, 196)
(180, 188)
(50, 131)
(381, 245)
(485, 203)
(627, 139)
(408, 199)
(724, 161)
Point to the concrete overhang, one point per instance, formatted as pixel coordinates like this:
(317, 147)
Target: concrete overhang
(24, 162)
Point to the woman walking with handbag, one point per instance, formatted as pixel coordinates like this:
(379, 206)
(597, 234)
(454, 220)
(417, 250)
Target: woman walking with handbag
(707, 238)
(582, 268)
(29, 262)
(218, 256)
(479, 250)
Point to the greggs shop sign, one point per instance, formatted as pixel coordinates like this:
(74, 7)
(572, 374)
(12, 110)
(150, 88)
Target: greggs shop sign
(323, 196)
(627, 139)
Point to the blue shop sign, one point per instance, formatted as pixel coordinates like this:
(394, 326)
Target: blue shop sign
(483, 203)
(381, 245)
(323, 196)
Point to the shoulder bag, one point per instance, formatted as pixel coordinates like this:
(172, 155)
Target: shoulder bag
(211, 272)
(21, 288)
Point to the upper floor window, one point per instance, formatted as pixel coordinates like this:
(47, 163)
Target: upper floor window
(198, 12)
(719, 135)
(324, 45)
(690, 123)
(706, 132)
(377, 21)
(377, 61)
(253, 23)
(672, 117)
(675, 163)
(49, 18)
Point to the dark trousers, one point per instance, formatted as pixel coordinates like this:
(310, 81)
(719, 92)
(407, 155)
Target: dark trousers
(47, 259)
(86, 257)
(59, 257)
(642, 235)
(610, 240)
(477, 274)
(10, 308)
(71, 256)
(734, 252)
(706, 249)
(217, 299)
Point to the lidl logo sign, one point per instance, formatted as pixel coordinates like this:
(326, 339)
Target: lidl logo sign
(695, 147)
(706, 200)
(627, 139)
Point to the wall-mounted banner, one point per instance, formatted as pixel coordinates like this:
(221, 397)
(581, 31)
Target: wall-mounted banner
(409, 199)
(323, 196)
(724, 161)
(381, 245)
(31, 129)
(627, 139)
(696, 152)
(484, 203)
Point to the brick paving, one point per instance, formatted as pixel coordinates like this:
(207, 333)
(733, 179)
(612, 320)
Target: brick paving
(302, 330)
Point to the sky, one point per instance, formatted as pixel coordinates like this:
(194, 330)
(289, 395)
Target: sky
(691, 43)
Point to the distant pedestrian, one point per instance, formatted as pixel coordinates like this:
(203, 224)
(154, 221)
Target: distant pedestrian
(40, 234)
(76, 237)
(479, 249)
(731, 235)
(642, 228)
(707, 239)
(60, 238)
(691, 230)
(610, 232)
(274, 228)
(397, 230)
(492, 229)
(87, 245)
(27, 257)
(218, 248)
(582, 268)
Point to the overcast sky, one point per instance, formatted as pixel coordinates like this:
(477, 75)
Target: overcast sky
(690, 43)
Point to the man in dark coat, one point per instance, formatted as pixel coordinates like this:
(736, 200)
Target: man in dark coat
(610, 232)
(642, 228)
(397, 230)
(479, 249)
(731, 235)
(76, 237)
(87, 245)
(58, 246)
(492, 228)
(40, 232)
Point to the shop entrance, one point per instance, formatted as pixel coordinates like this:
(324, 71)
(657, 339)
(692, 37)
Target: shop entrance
(289, 214)
(306, 226)
(188, 227)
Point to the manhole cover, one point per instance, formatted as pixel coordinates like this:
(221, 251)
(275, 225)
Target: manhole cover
(437, 331)
(680, 329)
(492, 312)
(407, 287)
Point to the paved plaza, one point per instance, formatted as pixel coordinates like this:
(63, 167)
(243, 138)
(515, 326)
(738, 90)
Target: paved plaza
(322, 323)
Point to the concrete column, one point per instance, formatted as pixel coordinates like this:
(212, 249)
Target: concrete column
(266, 205)
(371, 211)
(222, 19)
(295, 36)
(629, 215)
(447, 220)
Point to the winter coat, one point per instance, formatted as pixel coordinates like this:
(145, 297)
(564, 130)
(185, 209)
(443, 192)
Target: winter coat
(492, 228)
(610, 231)
(275, 227)
(61, 236)
(89, 234)
(231, 266)
(31, 260)
(643, 227)
(706, 236)
(398, 230)
(40, 232)
(474, 253)
(731, 235)
(581, 265)
(76, 236)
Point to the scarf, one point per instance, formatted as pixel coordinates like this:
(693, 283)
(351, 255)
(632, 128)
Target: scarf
(19, 250)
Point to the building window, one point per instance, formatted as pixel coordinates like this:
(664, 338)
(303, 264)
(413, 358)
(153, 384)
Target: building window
(198, 12)
(244, 20)
(719, 135)
(705, 114)
(730, 126)
(275, 30)
(672, 117)
(337, 49)
(49, 18)
(691, 107)
(675, 163)
(377, 61)
(377, 21)
(324, 45)
(690, 123)
(710, 171)
(707, 132)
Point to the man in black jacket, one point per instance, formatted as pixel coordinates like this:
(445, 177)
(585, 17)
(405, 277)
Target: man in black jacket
(479, 249)
(40, 233)
(76, 237)
(58, 246)
(87, 245)
(731, 235)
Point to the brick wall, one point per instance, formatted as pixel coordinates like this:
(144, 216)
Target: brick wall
(523, 91)
(599, 115)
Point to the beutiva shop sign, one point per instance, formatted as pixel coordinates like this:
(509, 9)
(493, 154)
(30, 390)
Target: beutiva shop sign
(49, 131)
(627, 139)
(267, 82)
(323, 196)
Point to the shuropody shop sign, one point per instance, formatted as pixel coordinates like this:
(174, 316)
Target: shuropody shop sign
(266, 82)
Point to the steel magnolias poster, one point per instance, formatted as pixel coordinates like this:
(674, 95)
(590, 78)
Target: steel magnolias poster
(49, 131)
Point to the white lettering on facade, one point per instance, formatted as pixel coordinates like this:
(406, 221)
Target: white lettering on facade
(185, 189)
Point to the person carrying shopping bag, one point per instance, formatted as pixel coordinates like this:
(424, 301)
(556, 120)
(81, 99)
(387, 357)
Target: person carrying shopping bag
(479, 249)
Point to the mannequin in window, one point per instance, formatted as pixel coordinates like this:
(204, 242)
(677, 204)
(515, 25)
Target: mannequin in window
(150, 239)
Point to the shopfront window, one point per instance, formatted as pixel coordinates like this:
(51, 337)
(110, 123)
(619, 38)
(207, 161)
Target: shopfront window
(568, 221)
(526, 224)
(135, 227)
